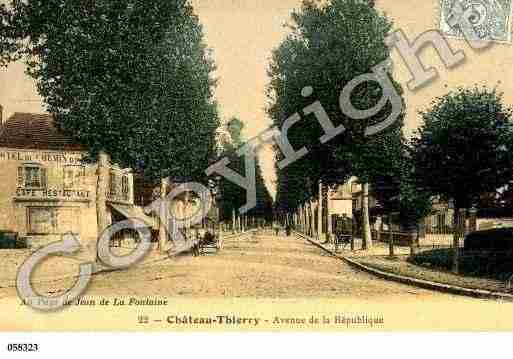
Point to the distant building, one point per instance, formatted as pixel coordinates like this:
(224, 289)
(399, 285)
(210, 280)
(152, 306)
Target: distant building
(46, 190)
(347, 198)
(341, 199)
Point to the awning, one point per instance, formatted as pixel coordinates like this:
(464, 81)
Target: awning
(134, 212)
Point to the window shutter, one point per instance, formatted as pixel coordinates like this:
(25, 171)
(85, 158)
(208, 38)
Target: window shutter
(113, 184)
(125, 188)
(67, 179)
(81, 175)
(21, 174)
(43, 177)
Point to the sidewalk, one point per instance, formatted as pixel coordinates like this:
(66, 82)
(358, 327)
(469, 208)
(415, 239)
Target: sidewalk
(377, 262)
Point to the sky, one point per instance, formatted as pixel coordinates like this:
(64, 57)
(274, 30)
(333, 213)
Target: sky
(242, 34)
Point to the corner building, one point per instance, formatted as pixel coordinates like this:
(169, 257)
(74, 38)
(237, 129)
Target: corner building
(46, 190)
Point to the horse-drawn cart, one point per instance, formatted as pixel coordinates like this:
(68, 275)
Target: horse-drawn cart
(343, 231)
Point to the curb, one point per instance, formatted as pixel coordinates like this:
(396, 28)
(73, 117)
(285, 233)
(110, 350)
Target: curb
(440, 287)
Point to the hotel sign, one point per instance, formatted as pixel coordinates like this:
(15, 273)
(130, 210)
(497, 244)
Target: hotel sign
(42, 156)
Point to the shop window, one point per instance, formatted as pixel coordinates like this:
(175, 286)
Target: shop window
(32, 176)
(53, 220)
(43, 220)
(74, 176)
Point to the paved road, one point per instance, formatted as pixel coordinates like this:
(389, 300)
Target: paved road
(260, 267)
(264, 276)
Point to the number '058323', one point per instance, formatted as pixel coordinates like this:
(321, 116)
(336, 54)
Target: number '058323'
(22, 347)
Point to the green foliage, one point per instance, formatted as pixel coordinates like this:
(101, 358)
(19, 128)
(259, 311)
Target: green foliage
(474, 264)
(331, 43)
(497, 239)
(396, 188)
(132, 78)
(465, 147)
(233, 196)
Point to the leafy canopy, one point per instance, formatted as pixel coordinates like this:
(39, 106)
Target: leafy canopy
(331, 43)
(233, 196)
(132, 78)
(465, 147)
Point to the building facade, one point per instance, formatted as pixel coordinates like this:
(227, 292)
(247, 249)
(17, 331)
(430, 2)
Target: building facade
(46, 187)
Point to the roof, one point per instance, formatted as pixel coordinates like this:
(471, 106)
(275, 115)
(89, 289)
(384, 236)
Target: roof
(36, 132)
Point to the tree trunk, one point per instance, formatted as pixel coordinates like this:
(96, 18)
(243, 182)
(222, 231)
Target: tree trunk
(390, 238)
(320, 212)
(102, 187)
(303, 218)
(307, 219)
(366, 231)
(414, 241)
(234, 222)
(186, 218)
(459, 222)
(312, 219)
(422, 231)
(329, 229)
(298, 218)
(353, 232)
(219, 228)
(305, 209)
(378, 229)
(163, 217)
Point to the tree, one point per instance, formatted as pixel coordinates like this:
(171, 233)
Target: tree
(132, 79)
(397, 192)
(332, 43)
(233, 196)
(464, 149)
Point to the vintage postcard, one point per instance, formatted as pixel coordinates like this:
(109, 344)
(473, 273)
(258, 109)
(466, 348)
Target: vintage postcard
(253, 166)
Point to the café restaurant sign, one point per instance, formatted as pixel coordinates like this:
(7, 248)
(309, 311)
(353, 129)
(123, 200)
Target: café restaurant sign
(42, 156)
(60, 194)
